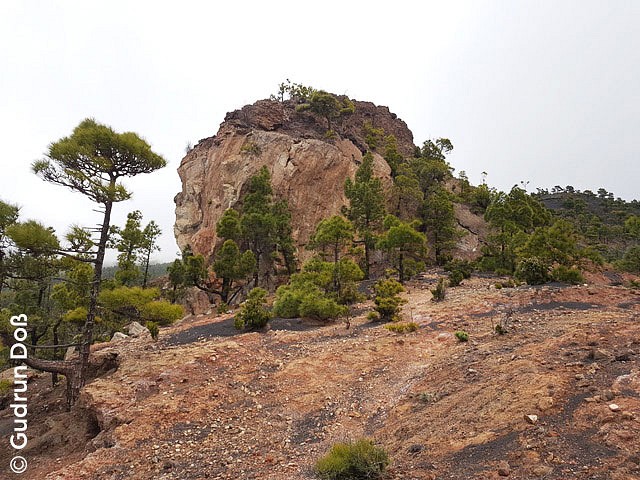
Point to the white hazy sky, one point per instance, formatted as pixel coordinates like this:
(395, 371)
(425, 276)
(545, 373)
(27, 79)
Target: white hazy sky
(545, 92)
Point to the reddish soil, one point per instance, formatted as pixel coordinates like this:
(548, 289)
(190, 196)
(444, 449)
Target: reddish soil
(204, 403)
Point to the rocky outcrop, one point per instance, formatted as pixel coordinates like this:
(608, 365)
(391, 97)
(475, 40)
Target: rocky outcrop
(307, 169)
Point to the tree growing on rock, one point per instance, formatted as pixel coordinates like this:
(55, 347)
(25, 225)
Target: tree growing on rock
(366, 206)
(230, 265)
(265, 225)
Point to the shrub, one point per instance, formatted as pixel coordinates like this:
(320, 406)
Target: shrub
(465, 267)
(305, 299)
(440, 291)
(387, 299)
(153, 329)
(500, 329)
(361, 460)
(251, 148)
(567, 275)
(462, 336)
(455, 278)
(532, 270)
(320, 308)
(161, 312)
(223, 307)
(508, 284)
(458, 271)
(330, 134)
(631, 260)
(402, 327)
(373, 316)
(5, 386)
(253, 314)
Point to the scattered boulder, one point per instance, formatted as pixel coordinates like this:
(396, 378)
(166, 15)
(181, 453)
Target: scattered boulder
(532, 419)
(541, 470)
(136, 330)
(119, 336)
(504, 470)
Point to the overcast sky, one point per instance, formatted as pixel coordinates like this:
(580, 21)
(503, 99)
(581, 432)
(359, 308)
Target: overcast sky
(545, 92)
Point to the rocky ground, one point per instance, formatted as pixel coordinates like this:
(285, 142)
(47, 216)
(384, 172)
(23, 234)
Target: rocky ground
(557, 397)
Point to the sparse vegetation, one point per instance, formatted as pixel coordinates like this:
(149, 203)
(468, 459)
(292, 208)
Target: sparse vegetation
(505, 284)
(360, 460)
(223, 308)
(5, 386)
(387, 298)
(253, 314)
(402, 327)
(153, 329)
(458, 271)
(567, 275)
(533, 271)
(462, 336)
(439, 293)
(251, 148)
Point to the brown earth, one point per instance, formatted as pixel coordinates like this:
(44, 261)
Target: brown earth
(204, 402)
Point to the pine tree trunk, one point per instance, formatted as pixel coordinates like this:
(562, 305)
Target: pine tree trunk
(79, 375)
(146, 269)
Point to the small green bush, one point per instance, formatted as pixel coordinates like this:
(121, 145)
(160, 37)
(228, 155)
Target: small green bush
(373, 316)
(508, 284)
(223, 307)
(630, 262)
(321, 308)
(5, 386)
(360, 460)
(532, 270)
(251, 148)
(455, 278)
(153, 329)
(253, 314)
(465, 267)
(330, 134)
(162, 312)
(567, 275)
(303, 298)
(402, 327)
(387, 299)
(462, 336)
(500, 329)
(440, 291)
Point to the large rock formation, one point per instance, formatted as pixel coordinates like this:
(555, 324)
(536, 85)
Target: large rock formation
(307, 169)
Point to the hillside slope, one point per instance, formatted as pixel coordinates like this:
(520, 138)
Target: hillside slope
(205, 402)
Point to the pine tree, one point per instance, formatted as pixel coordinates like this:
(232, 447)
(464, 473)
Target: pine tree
(366, 206)
(91, 161)
(405, 245)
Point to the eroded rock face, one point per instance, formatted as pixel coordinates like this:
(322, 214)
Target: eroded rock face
(307, 169)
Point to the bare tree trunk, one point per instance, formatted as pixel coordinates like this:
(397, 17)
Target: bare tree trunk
(146, 268)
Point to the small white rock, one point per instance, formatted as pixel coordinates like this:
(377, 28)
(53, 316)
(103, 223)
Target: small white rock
(532, 419)
(614, 407)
